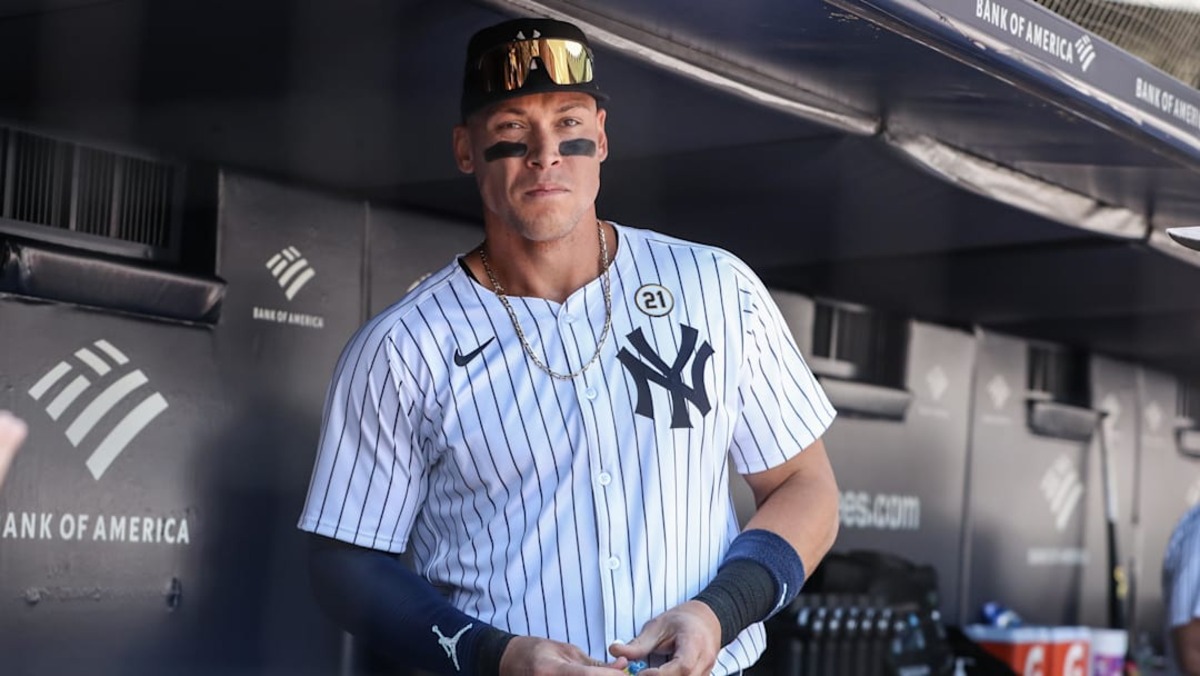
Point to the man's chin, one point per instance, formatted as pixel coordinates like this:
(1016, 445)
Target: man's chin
(547, 227)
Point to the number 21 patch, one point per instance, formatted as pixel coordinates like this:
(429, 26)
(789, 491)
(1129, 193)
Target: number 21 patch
(654, 299)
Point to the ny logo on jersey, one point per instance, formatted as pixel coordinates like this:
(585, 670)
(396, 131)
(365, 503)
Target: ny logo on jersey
(655, 370)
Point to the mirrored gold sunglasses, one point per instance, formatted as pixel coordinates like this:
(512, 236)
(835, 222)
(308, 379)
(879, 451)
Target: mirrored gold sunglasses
(507, 67)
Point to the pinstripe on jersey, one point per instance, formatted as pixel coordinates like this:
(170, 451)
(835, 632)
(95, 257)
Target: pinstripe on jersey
(1181, 578)
(554, 508)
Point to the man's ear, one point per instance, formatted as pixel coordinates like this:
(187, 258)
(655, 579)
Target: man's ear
(462, 149)
(601, 137)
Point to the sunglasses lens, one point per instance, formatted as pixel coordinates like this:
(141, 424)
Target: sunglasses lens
(507, 67)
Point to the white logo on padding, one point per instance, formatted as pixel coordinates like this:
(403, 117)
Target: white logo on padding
(1062, 489)
(998, 390)
(1153, 416)
(450, 645)
(291, 270)
(937, 381)
(108, 364)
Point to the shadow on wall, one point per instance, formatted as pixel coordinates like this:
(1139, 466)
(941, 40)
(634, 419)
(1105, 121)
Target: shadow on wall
(249, 609)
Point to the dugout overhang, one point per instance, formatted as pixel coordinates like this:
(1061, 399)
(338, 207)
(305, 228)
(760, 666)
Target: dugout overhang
(1057, 160)
(967, 161)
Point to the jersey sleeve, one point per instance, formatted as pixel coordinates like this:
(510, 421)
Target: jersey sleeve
(369, 478)
(1183, 571)
(783, 408)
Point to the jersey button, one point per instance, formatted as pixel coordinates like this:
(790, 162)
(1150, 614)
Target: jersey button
(614, 563)
(569, 318)
(590, 393)
(605, 478)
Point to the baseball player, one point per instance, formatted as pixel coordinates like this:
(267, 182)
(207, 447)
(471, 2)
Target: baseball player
(547, 423)
(1181, 594)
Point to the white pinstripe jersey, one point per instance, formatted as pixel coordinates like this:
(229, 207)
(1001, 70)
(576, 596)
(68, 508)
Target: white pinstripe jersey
(1181, 578)
(579, 509)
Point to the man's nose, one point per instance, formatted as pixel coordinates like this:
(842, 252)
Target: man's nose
(543, 150)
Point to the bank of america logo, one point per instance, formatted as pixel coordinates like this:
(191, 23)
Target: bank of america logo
(63, 395)
(291, 270)
(1087, 53)
(1062, 489)
(1154, 416)
(998, 390)
(938, 382)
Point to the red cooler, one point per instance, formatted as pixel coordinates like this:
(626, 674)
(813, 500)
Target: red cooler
(1025, 649)
(1070, 651)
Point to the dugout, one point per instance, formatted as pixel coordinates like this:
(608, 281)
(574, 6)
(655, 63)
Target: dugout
(213, 195)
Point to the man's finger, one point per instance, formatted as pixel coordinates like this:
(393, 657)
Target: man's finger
(641, 646)
(680, 665)
(12, 431)
(12, 435)
(688, 656)
(685, 661)
(594, 666)
(618, 663)
(671, 668)
(602, 670)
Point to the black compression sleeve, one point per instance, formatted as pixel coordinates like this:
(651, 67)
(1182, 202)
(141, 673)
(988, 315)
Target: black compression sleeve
(742, 593)
(372, 595)
(761, 574)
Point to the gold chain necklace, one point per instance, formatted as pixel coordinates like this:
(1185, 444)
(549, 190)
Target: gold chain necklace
(512, 315)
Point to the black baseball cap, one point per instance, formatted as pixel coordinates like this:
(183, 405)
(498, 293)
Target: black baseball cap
(527, 56)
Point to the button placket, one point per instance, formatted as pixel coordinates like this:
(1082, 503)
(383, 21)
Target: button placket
(607, 492)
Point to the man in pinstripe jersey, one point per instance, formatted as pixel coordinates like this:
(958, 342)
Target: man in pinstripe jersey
(547, 422)
(1181, 595)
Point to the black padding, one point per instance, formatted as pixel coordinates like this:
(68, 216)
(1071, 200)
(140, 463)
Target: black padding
(87, 279)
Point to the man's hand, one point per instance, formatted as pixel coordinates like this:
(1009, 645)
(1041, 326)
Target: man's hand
(12, 435)
(532, 656)
(690, 633)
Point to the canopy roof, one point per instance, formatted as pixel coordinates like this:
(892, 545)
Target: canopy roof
(965, 162)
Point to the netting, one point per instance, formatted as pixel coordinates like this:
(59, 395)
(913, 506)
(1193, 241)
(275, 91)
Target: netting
(1164, 33)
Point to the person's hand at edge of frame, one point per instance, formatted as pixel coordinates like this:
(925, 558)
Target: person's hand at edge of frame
(12, 434)
(533, 655)
(689, 633)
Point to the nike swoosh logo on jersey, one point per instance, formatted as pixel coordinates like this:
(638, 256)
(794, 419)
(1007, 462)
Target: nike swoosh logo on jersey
(461, 359)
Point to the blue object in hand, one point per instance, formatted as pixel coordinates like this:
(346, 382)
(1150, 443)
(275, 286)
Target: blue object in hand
(635, 666)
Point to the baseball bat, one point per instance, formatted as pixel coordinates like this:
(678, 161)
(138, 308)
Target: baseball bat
(1116, 574)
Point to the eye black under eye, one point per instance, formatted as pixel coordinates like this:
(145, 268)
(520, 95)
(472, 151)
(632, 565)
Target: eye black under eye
(579, 146)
